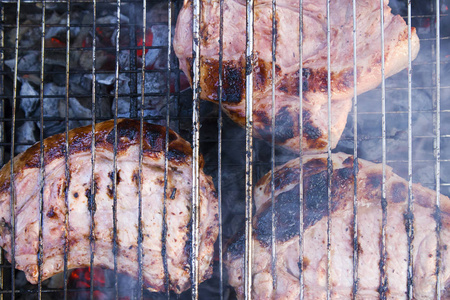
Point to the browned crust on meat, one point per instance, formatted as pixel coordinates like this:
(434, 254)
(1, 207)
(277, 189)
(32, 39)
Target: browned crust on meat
(315, 196)
(233, 79)
(128, 134)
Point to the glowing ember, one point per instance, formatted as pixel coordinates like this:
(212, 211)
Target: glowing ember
(81, 279)
(148, 41)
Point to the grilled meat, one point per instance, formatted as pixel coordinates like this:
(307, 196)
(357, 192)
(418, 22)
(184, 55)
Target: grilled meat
(82, 201)
(286, 79)
(314, 243)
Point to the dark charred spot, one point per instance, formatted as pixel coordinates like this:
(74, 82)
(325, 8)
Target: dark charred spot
(155, 140)
(90, 200)
(315, 165)
(309, 130)
(262, 75)
(398, 192)
(127, 133)
(75, 195)
(283, 89)
(233, 83)
(5, 225)
(348, 161)
(314, 80)
(110, 187)
(236, 244)
(172, 194)
(359, 248)
(286, 212)
(233, 74)
(315, 197)
(110, 191)
(306, 263)
(305, 78)
(345, 173)
(119, 179)
(284, 125)
(135, 177)
(51, 212)
(176, 155)
(260, 116)
(374, 180)
(287, 207)
(284, 177)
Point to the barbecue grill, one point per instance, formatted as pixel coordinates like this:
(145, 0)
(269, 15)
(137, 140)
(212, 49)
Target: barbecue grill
(65, 64)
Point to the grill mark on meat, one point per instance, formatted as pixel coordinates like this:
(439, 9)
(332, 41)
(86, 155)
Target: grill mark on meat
(233, 79)
(284, 125)
(309, 130)
(262, 117)
(287, 206)
(374, 180)
(263, 75)
(282, 178)
(110, 187)
(135, 177)
(172, 194)
(5, 227)
(51, 212)
(399, 192)
(90, 201)
(80, 141)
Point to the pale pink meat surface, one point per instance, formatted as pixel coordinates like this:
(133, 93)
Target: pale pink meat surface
(313, 70)
(314, 238)
(81, 202)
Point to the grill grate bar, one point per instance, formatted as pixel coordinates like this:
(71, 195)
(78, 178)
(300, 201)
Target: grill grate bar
(166, 163)
(383, 253)
(355, 259)
(300, 179)
(329, 159)
(272, 150)
(41, 178)
(219, 150)
(195, 146)
(114, 181)
(66, 155)
(410, 213)
(13, 134)
(2, 137)
(140, 287)
(93, 193)
(437, 151)
(248, 150)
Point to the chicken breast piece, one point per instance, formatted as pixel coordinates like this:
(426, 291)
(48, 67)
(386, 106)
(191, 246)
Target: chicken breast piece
(288, 70)
(314, 238)
(82, 201)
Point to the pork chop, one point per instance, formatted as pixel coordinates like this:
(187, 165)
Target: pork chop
(82, 201)
(313, 71)
(314, 244)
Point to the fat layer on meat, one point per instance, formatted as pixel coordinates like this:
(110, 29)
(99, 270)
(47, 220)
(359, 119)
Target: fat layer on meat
(312, 73)
(82, 201)
(314, 237)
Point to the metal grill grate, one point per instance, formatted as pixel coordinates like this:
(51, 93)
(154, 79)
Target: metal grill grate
(110, 76)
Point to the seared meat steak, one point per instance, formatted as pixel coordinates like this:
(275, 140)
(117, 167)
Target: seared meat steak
(82, 201)
(313, 72)
(314, 244)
